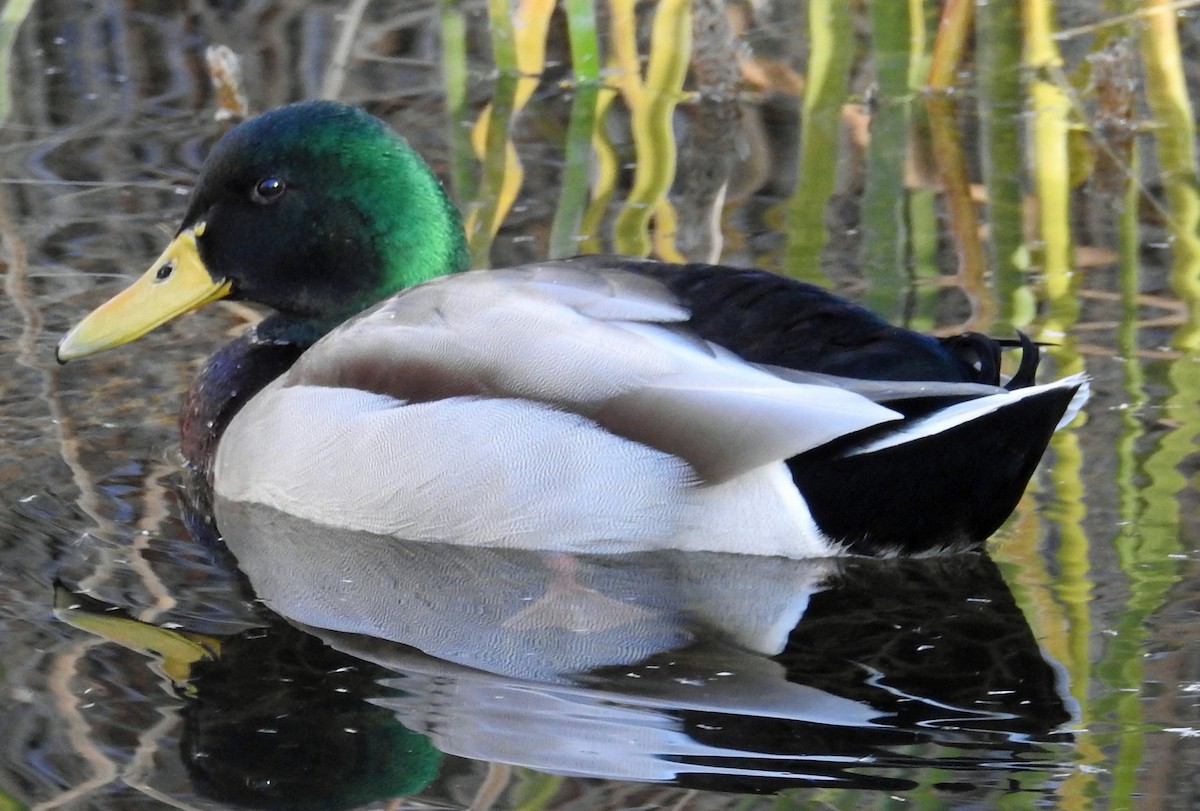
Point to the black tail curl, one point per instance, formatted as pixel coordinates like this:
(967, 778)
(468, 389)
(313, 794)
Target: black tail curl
(982, 354)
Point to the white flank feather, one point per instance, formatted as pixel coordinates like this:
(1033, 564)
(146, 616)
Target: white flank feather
(962, 413)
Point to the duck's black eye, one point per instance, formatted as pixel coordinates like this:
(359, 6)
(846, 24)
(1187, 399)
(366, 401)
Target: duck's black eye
(267, 190)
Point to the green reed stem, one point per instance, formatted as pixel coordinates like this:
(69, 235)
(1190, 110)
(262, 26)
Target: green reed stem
(454, 77)
(921, 203)
(607, 169)
(495, 169)
(1120, 669)
(585, 62)
(883, 206)
(1132, 428)
(831, 37)
(581, 29)
(1167, 94)
(918, 63)
(573, 201)
(960, 206)
(1050, 105)
(653, 134)
(504, 41)
(923, 255)
(998, 51)
(1074, 586)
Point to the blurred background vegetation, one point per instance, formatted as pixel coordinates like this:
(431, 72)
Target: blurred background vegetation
(990, 166)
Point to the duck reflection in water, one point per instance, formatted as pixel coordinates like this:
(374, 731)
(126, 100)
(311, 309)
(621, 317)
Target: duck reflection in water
(710, 670)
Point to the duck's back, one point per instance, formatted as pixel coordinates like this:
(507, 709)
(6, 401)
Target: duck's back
(768, 318)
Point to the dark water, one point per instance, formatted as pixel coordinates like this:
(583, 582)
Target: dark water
(138, 671)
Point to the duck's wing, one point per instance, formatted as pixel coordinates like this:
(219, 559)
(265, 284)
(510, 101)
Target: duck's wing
(769, 318)
(607, 345)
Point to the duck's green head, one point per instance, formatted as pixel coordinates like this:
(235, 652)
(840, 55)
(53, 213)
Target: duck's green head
(316, 210)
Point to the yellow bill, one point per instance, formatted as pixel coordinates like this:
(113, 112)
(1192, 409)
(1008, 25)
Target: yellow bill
(177, 651)
(176, 283)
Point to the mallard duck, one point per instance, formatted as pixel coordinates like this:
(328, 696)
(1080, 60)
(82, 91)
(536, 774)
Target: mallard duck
(596, 404)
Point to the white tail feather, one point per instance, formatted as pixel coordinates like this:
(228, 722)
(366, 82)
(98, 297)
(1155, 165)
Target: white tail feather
(947, 418)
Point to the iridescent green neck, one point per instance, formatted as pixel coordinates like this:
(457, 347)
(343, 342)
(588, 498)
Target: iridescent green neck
(417, 230)
(375, 183)
(361, 219)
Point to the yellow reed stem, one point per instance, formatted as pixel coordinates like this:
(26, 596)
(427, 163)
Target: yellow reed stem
(1167, 94)
(1051, 107)
(522, 63)
(652, 106)
(954, 30)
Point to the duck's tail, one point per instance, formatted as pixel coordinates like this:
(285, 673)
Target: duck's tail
(945, 480)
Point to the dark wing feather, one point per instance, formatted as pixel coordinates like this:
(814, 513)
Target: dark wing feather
(771, 319)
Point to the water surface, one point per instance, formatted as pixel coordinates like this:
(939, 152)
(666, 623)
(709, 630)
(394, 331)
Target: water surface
(1060, 671)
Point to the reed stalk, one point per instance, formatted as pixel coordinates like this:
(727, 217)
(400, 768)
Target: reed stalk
(884, 245)
(523, 40)
(652, 106)
(998, 52)
(954, 31)
(960, 208)
(1120, 668)
(568, 220)
(585, 64)
(1050, 106)
(1175, 144)
(605, 173)
(483, 218)
(921, 202)
(504, 40)
(831, 37)
(453, 29)
(585, 49)
(13, 14)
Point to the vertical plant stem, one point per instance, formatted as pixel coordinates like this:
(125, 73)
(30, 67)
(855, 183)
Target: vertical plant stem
(1127, 345)
(504, 43)
(14, 13)
(654, 140)
(999, 59)
(883, 208)
(918, 63)
(964, 223)
(585, 62)
(1175, 144)
(921, 202)
(1149, 533)
(454, 77)
(923, 252)
(625, 71)
(335, 76)
(607, 170)
(830, 26)
(568, 216)
(953, 32)
(484, 216)
(1050, 106)
(503, 171)
(585, 52)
